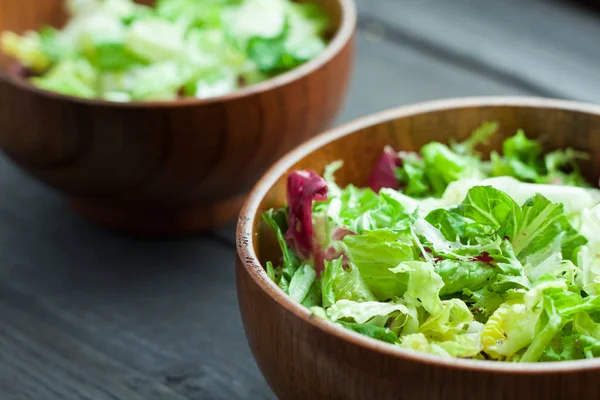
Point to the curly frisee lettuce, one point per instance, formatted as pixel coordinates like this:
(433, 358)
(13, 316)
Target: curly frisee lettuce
(450, 254)
(121, 51)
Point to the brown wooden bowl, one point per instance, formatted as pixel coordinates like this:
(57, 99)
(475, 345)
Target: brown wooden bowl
(166, 167)
(308, 358)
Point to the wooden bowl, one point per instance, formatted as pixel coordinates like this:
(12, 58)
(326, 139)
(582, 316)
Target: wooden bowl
(307, 358)
(166, 167)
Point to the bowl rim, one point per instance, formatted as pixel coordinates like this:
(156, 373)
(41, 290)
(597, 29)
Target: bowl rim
(249, 259)
(342, 37)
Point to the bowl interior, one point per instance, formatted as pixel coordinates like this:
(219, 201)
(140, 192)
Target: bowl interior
(359, 144)
(22, 15)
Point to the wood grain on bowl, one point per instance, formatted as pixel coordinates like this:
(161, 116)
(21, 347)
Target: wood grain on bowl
(166, 167)
(303, 357)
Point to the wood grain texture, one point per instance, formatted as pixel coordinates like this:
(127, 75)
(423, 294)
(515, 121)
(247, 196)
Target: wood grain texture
(86, 312)
(302, 357)
(549, 46)
(166, 167)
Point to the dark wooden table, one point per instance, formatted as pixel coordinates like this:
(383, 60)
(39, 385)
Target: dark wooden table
(87, 314)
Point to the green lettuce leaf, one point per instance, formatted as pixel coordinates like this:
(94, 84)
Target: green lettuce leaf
(537, 225)
(76, 77)
(424, 284)
(301, 282)
(277, 221)
(340, 284)
(559, 308)
(374, 253)
(363, 312)
(487, 206)
(371, 331)
(459, 276)
(443, 166)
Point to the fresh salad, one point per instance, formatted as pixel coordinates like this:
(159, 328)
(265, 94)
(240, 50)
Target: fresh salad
(122, 51)
(450, 254)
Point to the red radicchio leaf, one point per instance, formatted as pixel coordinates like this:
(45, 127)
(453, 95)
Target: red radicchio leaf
(340, 233)
(384, 175)
(484, 257)
(302, 188)
(19, 70)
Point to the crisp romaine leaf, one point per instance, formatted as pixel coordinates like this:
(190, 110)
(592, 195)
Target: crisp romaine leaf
(28, 49)
(584, 324)
(154, 39)
(90, 28)
(454, 226)
(302, 49)
(374, 253)
(454, 329)
(463, 275)
(588, 261)
(521, 147)
(338, 284)
(308, 19)
(271, 271)
(214, 84)
(443, 166)
(371, 331)
(558, 160)
(433, 241)
(127, 10)
(479, 136)
(511, 273)
(313, 297)
(418, 342)
(446, 324)
(158, 81)
(365, 311)
(301, 282)
(514, 325)
(487, 206)
(484, 302)
(361, 210)
(424, 284)
(466, 343)
(255, 18)
(411, 175)
(521, 159)
(75, 77)
(295, 45)
(559, 308)
(54, 46)
(192, 12)
(277, 221)
(329, 176)
(269, 53)
(574, 199)
(330, 271)
(509, 329)
(112, 56)
(571, 347)
(590, 224)
(537, 225)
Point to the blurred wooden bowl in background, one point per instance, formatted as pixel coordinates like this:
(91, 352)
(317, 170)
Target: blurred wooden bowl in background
(166, 167)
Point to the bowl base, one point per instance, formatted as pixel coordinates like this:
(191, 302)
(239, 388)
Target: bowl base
(172, 222)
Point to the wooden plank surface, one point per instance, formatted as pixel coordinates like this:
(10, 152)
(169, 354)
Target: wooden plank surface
(87, 314)
(550, 47)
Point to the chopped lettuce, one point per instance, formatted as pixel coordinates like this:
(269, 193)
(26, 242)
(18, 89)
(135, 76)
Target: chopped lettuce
(178, 48)
(450, 254)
